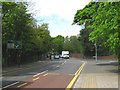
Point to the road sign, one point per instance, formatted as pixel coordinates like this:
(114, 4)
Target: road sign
(18, 44)
(14, 44)
(10, 44)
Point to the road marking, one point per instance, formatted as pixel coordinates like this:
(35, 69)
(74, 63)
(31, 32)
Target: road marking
(75, 77)
(19, 69)
(63, 62)
(36, 79)
(78, 69)
(10, 85)
(57, 66)
(45, 74)
(2, 77)
(40, 73)
(22, 85)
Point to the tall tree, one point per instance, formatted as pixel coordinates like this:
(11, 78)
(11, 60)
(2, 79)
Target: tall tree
(104, 20)
(57, 44)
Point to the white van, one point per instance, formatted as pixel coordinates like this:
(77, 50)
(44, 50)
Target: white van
(65, 54)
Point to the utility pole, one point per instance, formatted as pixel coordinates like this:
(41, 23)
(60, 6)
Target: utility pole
(95, 51)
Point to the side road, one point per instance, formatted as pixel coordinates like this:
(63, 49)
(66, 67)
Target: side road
(101, 74)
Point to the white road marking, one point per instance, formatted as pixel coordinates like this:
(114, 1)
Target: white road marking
(40, 73)
(63, 62)
(1, 78)
(57, 66)
(36, 79)
(10, 85)
(45, 74)
(22, 85)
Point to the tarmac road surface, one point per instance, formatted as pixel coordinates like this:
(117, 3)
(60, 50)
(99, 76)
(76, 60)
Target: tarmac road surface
(55, 74)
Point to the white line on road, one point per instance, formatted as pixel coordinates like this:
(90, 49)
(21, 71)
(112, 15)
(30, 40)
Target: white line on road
(63, 62)
(45, 74)
(22, 85)
(36, 79)
(40, 73)
(10, 85)
(57, 66)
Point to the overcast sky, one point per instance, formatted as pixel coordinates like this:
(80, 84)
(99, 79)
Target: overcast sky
(59, 14)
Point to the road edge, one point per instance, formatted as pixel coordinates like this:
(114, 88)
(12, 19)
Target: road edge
(75, 77)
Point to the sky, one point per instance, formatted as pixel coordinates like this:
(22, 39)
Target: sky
(59, 15)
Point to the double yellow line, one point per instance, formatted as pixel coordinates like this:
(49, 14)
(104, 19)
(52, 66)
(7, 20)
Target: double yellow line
(75, 77)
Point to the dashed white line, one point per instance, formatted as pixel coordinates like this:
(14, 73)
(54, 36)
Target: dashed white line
(40, 73)
(45, 74)
(36, 79)
(10, 85)
(22, 85)
(63, 62)
(57, 66)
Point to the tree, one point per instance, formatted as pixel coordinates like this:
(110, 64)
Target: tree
(41, 39)
(76, 45)
(88, 46)
(104, 19)
(72, 44)
(16, 25)
(67, 44)
(19, 25)
(57, 44)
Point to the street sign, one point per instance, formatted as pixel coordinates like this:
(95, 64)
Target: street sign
(14, 44)
(10, 44)
(18, 44)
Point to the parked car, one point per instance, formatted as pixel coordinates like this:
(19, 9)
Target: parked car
(56, 56)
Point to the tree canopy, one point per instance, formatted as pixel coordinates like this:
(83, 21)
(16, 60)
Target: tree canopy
(103, 19)
(19, 25)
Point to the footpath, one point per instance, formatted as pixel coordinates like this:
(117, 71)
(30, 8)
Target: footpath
(101, 74)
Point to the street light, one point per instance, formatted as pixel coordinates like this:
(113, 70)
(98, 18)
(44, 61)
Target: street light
(95, 51)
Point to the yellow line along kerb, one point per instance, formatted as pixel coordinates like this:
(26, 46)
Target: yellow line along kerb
(75, 77)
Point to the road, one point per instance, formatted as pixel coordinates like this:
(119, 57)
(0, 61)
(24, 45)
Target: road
(52, 74)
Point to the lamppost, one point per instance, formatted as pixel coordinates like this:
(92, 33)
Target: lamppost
(95, 51)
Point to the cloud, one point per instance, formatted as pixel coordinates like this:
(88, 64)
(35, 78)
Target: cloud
(63, 8)
(59, 14)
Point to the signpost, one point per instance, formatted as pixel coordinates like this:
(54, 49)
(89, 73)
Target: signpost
(14, 45)
(18, 44)
(10, 44)
(95, 51)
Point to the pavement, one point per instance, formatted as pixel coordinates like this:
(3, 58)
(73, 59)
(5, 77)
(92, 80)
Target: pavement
(100, 74)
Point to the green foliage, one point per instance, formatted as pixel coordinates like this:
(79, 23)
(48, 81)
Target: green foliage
(19, 25)
(67, 44)
(103, 19)
(57, 44)
(88, 46)
(73, 45)
(41, 39)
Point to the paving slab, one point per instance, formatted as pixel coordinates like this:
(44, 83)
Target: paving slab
(94, 75)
